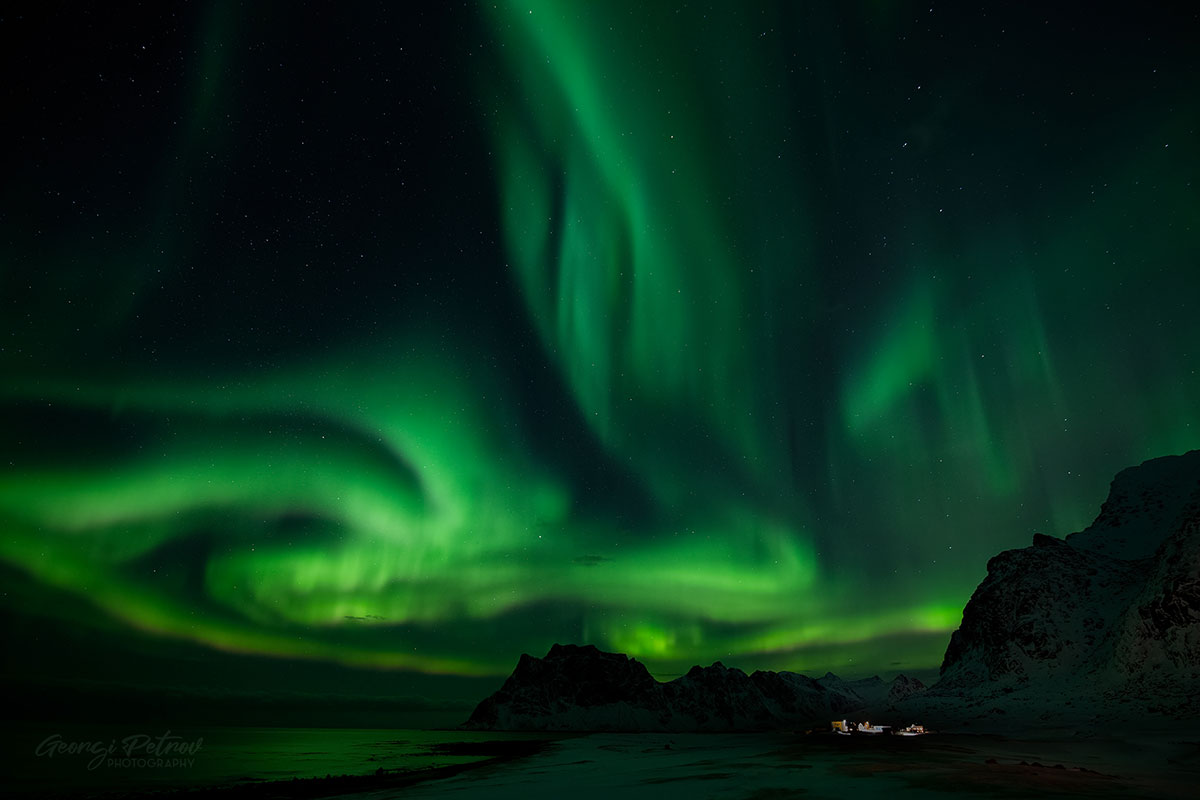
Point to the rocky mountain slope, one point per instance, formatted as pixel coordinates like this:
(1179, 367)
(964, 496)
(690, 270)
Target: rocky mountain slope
(1107, 620)
(583, 688)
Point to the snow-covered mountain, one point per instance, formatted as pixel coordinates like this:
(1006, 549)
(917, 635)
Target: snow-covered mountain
(1105, 623)
(583, 688)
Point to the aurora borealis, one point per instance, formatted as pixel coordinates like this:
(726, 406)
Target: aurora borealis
(419, 340)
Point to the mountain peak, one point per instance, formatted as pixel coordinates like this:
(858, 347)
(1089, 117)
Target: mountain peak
(1144, 505)
(564, 650)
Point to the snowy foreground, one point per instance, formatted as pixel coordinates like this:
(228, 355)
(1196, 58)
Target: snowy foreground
(759, 766)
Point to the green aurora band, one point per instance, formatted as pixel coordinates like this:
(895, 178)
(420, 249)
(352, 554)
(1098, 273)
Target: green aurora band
(810, 381)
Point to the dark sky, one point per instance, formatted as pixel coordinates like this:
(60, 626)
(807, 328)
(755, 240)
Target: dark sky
(345, 336)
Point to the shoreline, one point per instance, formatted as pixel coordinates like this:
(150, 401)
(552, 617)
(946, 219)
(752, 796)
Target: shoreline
(494, 752)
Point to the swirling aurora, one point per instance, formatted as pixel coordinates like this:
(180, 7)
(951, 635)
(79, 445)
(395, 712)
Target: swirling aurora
(738, 333)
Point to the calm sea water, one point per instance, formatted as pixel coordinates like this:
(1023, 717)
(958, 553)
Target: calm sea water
(55, 760)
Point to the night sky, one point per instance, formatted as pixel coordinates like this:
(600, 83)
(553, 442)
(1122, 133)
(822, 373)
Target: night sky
(352, 335)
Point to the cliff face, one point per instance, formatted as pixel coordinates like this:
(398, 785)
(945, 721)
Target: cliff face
(1111, 612)
(582, 688)
(1042, 612)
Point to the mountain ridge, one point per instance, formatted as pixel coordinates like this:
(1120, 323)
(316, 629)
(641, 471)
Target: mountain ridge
(580, 687)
